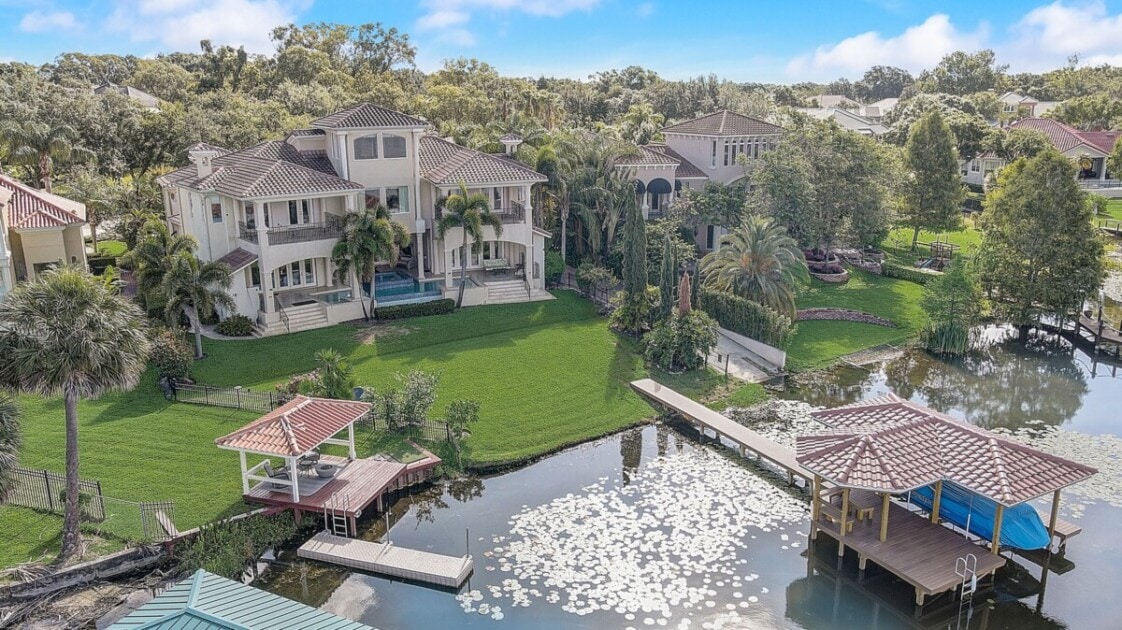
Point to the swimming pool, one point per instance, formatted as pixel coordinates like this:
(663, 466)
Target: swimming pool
(398, 286)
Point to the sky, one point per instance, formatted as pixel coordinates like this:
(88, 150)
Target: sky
(741, 40)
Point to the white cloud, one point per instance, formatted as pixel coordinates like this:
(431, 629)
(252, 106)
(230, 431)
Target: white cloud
(451, 17)
(645, 9)
(182, 24)
(1047, 35)
(917, 48)
(40, 21)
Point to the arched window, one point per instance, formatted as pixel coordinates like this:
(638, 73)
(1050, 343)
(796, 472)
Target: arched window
(366, 147)
(393, 145)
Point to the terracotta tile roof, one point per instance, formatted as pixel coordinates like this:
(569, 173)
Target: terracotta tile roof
(295, 427)
(238, 259)
(269, 169)
(1066, 138)
(724, 123)
(445, 163)
(891, 444)
(647, 156)
(365, 115)
(30, 209)
(686, 169)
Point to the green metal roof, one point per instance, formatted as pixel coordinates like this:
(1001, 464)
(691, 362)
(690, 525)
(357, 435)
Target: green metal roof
(206, 601)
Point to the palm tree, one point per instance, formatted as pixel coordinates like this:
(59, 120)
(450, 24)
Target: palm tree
(757, 261)
(369, 236)
(10, 441)
(66, 334)
(190, 286)
(151, 259)
(37, 146)
(472, 212)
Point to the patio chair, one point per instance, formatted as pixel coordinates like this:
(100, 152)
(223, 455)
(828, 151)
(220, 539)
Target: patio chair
(276, 473)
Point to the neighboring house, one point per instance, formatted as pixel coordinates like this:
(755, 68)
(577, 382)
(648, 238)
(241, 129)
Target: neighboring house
(878, 110)
(144, 99)
(828, 101)
(38, 230)
(1092, 148)
(847, 119)
(205, 601)
(716, 147)
(1014, 103)
(274, 212)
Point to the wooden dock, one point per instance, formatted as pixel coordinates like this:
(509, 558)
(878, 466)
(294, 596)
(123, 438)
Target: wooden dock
(388, 559)
(916, 550)
(703, 417)
(356, 486)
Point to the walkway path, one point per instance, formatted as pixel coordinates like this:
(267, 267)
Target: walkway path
(743, 364)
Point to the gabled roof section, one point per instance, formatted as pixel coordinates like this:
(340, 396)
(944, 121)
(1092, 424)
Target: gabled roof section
(30, 209)
(889, 444)
(446, 163)
(140, 96)
(270, 169)
(305, 133)
(238, 259)
(686, 169)
(206, 601)
(295, 427)
(724, 123)
(647, 155)
(366, 115)
(1066, 138)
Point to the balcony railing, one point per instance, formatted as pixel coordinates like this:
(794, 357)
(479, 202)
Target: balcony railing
(512, 212)
(1100, 183)
(330, 228)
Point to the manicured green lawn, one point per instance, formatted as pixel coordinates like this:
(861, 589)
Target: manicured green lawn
(110, 248)
(1113, 210)
(819, 343)
(27, 535)
(899, 242)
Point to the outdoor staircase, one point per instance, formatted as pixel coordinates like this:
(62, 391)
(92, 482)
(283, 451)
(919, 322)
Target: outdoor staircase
(298, 318)
(512, 291)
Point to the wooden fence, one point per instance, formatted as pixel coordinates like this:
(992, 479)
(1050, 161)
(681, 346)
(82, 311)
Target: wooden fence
(231, 397)
(45, 490)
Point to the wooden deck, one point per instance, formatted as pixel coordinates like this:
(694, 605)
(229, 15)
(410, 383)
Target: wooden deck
(388, 559)
(705, 418)
(916, 550)
(354, 487)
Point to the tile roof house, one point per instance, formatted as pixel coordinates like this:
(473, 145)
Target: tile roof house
(274, 211)
(847, 119)
(1091, 147)
(205, 601)
(144, 99)
(37, 231)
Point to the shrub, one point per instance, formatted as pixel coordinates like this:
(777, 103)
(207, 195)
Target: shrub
(228, 548)
(554, 267)
(592, 278)
(918, 276)
(632, 315)
(681, 342)
(171, 355)
(436, 307)
(98, 264)
(235, 326)
(747, 318)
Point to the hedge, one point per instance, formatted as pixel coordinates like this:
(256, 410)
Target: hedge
(747, 317)
(911, 274)
(436, 307)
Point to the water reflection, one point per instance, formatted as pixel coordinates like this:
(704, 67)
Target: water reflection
(631, 452)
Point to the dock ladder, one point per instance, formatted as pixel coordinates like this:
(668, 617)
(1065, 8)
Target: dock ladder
(335, 511)
(965, 568)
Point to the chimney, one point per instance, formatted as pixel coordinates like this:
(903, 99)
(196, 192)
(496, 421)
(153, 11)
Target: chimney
(510, 142)
(202, 155)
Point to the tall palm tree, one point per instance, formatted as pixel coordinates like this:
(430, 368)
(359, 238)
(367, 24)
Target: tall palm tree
(37, 146)
(10, 441)
(66, 333)
(151, 259)
(472, 212)
(369, 236)
(190, 286)
(757, 261)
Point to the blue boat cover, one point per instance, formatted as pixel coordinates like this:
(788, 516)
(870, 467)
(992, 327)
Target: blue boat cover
(1021, 527)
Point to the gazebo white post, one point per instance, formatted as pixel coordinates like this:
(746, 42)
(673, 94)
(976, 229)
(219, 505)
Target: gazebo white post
(245, 473)
(292, 478)
(351, 441)
(1054, 517)
(884, 517)
(995, 545)
(935, 502)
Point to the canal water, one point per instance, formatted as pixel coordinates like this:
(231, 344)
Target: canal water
(652, 528)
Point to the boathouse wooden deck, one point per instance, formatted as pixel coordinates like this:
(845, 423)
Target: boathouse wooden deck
(746, 439)
(355, 486)
(388, 559)
(916, 550)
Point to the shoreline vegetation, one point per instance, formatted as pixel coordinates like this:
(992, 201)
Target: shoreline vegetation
(494, 354)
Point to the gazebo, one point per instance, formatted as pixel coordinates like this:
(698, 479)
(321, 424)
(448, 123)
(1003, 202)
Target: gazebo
(888, 446)
(293, 431)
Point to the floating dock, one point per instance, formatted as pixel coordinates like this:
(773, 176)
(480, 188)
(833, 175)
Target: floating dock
(388, 559)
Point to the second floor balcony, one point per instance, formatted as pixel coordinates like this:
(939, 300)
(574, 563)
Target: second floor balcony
(330, 228)
(508, 213)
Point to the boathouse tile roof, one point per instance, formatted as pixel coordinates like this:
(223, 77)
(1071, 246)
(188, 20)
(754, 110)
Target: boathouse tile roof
(295, 427)
(889, 444)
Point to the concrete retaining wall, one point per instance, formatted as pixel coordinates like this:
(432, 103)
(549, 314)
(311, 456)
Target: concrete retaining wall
(771, 354)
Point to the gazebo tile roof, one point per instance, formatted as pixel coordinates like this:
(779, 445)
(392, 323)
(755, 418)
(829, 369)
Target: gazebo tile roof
(891, 444)
(295, 427)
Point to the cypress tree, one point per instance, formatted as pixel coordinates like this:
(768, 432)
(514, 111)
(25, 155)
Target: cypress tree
(634, 250)
(668, 278)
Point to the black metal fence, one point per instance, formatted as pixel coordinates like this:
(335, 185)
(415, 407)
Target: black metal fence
(45, 490)
(231, 397)
(432, 430)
